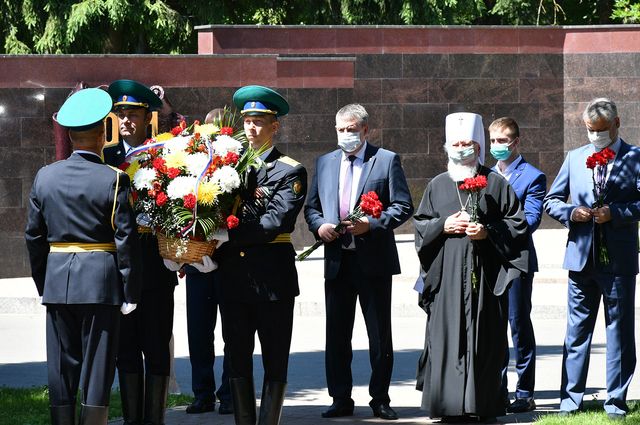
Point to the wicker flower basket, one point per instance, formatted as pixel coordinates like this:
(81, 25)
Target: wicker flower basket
(184, 251)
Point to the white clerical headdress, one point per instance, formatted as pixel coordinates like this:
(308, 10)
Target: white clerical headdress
(465, 126)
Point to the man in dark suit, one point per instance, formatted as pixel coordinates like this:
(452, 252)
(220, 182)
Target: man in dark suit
(146, 333)
(595, 229)
(360, 262)
(530, 185)
(257, 271)
(83, 250)
(203, 297)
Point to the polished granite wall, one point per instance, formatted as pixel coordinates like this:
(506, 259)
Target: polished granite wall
(408, 95)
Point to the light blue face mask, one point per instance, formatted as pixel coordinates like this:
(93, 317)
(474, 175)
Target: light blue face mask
(463, 156)
(500, 151)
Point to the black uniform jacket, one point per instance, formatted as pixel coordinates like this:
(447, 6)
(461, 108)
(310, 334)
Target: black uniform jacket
(258, 263)
(155, 275)
(73, 201)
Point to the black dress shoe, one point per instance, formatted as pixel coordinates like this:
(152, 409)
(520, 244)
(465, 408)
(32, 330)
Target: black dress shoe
(225, 408)
(521, 405)
(201, 406)
(339, 408)
(384, 411)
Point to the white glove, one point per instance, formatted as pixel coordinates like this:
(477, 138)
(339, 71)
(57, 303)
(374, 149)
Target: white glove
(208, 265)
(127, 308)
(222, 236)
(171, 265)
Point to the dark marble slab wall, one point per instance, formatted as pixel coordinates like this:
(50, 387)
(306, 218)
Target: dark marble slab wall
(409, 79)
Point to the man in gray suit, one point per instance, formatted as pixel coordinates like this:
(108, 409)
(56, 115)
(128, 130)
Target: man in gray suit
(601, 256)
(361, 261)
(83, 249)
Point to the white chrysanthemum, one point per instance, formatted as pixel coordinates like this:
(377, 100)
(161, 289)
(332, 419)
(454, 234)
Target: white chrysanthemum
(143, 178)
(196, 163)
(180, 186)
(224, 144)
(227, 178)
(177, 144)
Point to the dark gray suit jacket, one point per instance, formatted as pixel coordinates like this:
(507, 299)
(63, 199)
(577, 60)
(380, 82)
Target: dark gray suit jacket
(73, 201)
(382, 173)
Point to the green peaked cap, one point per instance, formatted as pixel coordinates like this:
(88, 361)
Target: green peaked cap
(132, 94)
(260, 100)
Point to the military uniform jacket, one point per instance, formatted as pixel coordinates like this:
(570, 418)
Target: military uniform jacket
(81, 200)
(155, 274)
(256, 265)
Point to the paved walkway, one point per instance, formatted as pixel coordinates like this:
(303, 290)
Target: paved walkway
(23, 357)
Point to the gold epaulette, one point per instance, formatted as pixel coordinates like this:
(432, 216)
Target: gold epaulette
(144, 229)
(289, 161)
(282, 238)
(114, 168)
(82, 247)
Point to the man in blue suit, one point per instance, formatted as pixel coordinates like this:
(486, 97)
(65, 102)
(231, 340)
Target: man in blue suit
(360, 262)
(590, 276)
(530, 185)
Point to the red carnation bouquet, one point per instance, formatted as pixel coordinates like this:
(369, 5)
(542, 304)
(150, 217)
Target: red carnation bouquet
(474, 185)
(369, 205)
(597, 163)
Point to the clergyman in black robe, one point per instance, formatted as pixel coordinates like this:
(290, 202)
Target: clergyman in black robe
(466, 336)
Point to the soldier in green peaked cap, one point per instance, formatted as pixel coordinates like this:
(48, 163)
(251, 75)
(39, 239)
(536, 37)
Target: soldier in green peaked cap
(144, 356)
(257, 272)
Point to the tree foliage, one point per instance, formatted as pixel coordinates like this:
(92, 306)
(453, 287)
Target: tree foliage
(166, 26)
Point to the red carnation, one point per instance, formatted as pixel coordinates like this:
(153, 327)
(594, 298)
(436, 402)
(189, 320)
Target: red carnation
(160, 165)
(189, 201)
(232, 222)
(196, 122)
(161, 199)
(124, 166)
(226, 131)
(608, 154)
(176, 130)
(370, 204)
(173, 172)
(591, 162)
(474, 184)
(231, 158)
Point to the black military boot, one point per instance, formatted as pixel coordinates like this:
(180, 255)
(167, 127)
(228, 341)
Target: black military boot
(94, 415)
(155, 399)
(132, 396)
(244, 401)
(63, 415)
(271, 402)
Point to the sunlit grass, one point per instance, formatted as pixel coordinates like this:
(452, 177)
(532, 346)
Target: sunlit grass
(593, 414)
(30, 406)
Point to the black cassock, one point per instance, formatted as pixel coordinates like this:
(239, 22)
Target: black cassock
(466, 335)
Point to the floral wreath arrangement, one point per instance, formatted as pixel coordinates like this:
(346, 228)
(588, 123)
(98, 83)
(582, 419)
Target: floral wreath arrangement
(186, 184)
(597, 163)
(369, 205)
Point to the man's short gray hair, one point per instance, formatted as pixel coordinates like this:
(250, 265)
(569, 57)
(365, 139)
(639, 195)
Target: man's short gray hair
(600, 108)
(354, 111)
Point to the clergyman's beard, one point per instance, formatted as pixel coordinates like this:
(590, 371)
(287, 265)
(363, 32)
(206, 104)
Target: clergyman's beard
(459, 172)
